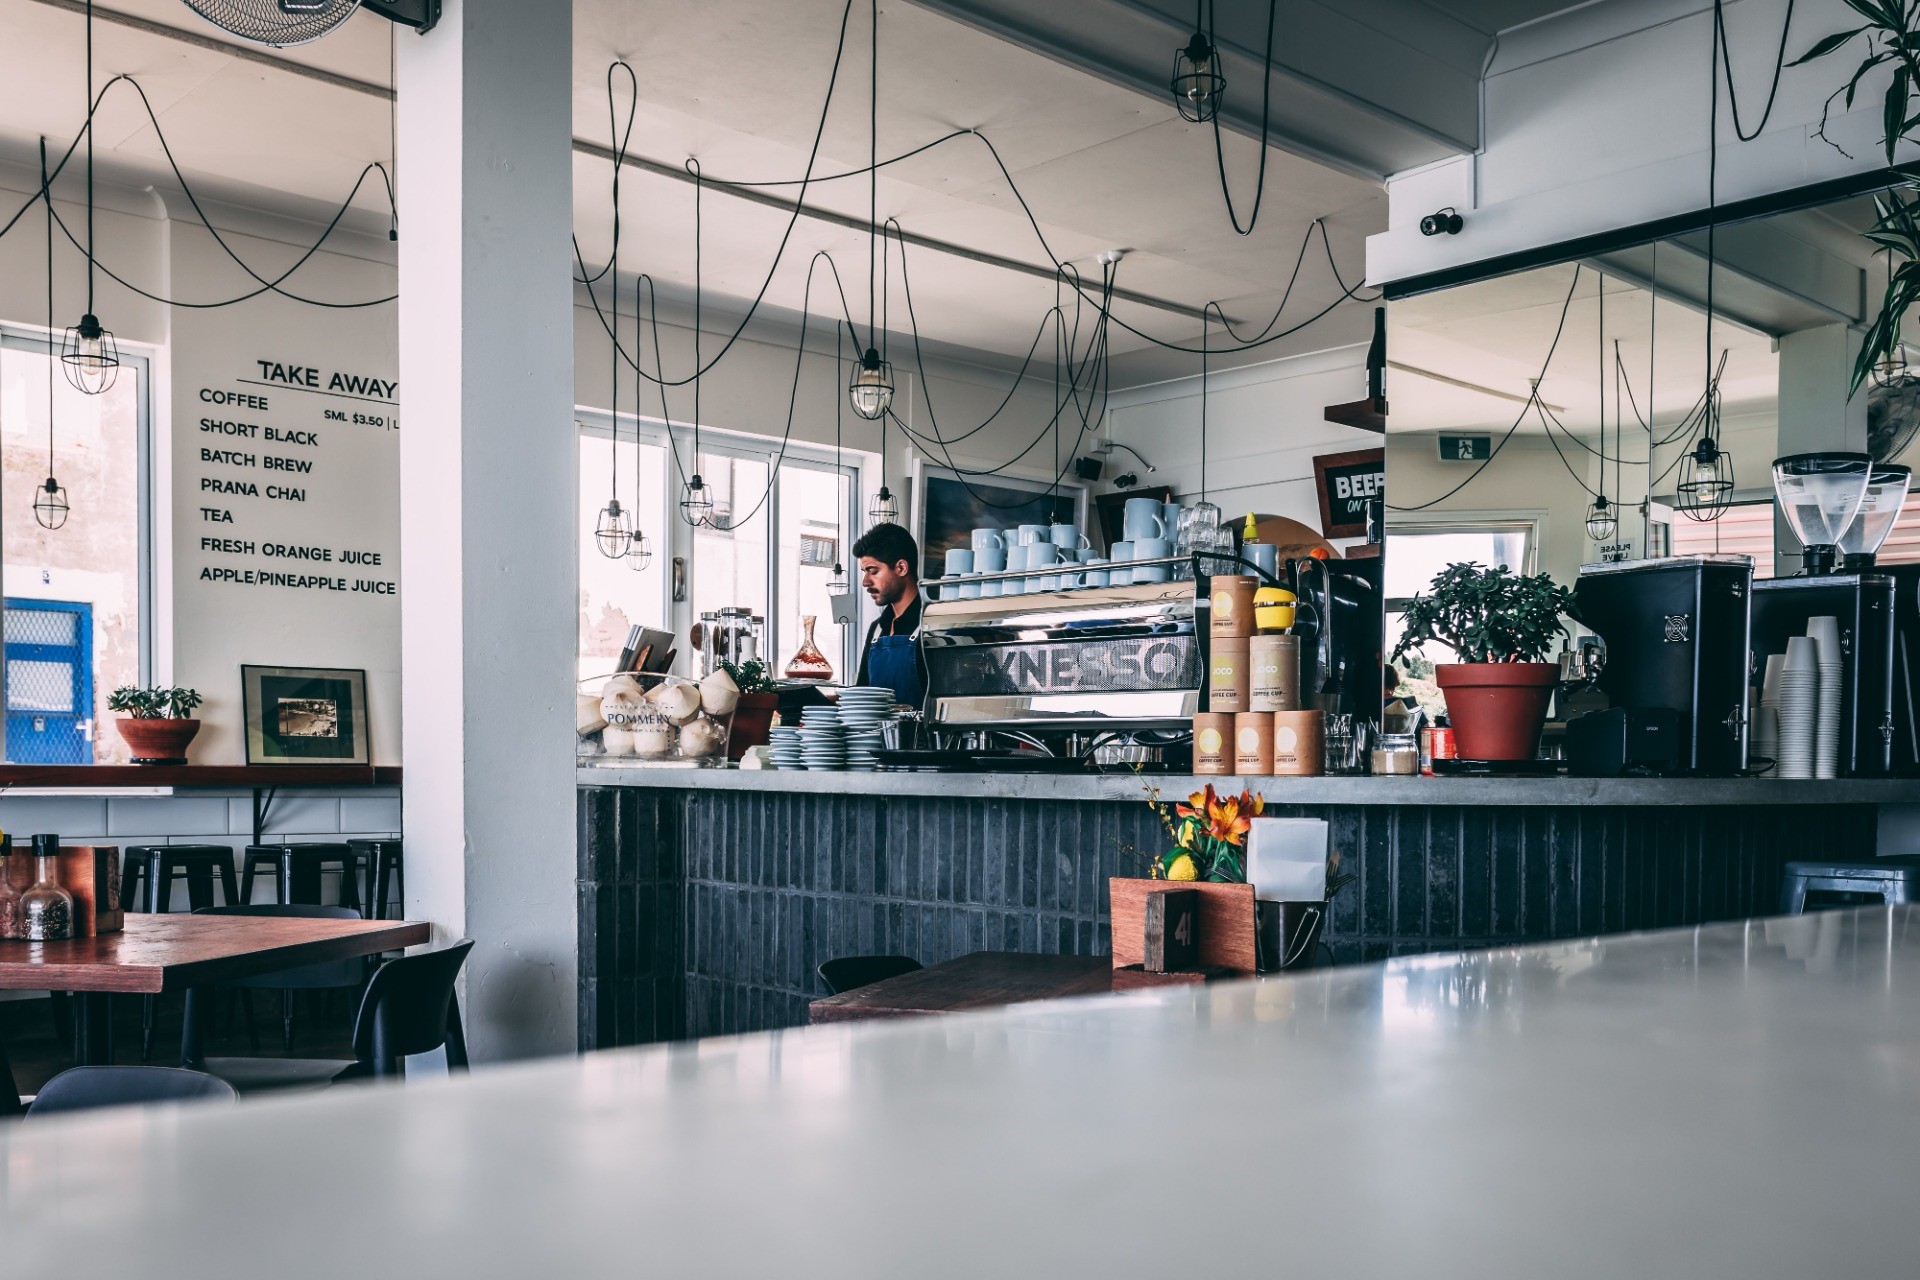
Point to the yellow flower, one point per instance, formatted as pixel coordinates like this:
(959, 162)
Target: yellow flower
(1183, 869)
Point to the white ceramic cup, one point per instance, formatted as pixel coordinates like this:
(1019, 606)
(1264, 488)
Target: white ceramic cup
(992, 560)
(969, 591)
(1032, 533)
(1095, 574)
(1068, 537)
(1152, 549)
(988, 540)
(1142, 518)
(959, 561)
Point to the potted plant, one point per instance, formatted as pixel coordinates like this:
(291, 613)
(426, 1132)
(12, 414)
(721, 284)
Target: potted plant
(753, 715)
(157, 724)
(1501, 626)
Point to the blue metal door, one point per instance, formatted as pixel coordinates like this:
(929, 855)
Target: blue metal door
(49, 681)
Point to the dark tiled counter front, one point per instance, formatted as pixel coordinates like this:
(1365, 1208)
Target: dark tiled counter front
(706, 900)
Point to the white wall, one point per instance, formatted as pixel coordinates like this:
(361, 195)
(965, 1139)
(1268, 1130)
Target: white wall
(1597, 119)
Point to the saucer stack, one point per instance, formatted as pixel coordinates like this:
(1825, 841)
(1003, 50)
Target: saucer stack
(823, 741)
(783, 747)
(1825, 634)
(1798, 696)
(863, 711)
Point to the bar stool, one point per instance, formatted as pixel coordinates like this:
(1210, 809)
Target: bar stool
(160, 865)
(297, 870)
(1888, 880)
(384, 864)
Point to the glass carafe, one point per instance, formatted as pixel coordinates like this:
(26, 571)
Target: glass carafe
(46, 910)
(808, 663)
(1820, 494)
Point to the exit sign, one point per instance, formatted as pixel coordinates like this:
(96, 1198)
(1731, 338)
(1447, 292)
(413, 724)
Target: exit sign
(1466, 448)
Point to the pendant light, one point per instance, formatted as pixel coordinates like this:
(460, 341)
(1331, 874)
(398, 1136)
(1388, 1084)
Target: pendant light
(883, 509)
(838, 585)
(639, 552)
(871, 386)
(50, 507)
(1205, 517)
(696, 502)
(613, 534)
(88, 353)
(696, 499)
(1706, 472)
(1197, 82)
(1601, 521)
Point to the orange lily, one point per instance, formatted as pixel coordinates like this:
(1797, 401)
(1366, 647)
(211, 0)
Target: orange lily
(1198, 804)
(1226, 822)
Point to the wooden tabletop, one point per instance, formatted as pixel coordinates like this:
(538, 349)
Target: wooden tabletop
(170, 952)
(978, 981)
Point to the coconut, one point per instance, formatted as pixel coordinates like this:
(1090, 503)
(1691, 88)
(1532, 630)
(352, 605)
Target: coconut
(702, 738)
(719, 695)
(678, 701)
(616, 742)
(621, 700)
(586, 715)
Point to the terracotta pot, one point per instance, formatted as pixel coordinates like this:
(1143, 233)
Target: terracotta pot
(1497, 708)
(157, 741)
(752, 723)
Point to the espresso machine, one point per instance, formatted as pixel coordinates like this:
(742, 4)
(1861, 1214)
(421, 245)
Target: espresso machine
(1674, 638)
(1842, 506)
(1342, 633)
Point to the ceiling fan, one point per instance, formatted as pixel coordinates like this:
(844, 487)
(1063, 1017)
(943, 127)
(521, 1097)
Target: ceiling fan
(281, 23)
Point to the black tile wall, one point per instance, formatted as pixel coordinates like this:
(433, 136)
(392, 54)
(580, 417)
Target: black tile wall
(705, 912)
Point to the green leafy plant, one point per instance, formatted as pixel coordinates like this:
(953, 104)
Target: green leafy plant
(750, 676)
(154, 703)
(1891, 37)
(1488, 615)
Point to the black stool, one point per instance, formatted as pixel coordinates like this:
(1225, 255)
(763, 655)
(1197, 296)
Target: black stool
(1888, 880)
(384, 864)
(161, 864)
(297, 868)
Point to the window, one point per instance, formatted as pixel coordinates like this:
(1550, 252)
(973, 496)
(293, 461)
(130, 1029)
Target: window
(613, 597)
(1903, 543)
(76, 597)
(1744, 528)
(729, 566)
(814, 526)
(1415, 553)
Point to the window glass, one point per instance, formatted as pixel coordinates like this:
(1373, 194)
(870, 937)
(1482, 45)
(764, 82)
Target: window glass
(729, 564)
(1903, 544)
(813, 528)
(1743, 529)
(1414, 557)
(72, 594)
(613, 596)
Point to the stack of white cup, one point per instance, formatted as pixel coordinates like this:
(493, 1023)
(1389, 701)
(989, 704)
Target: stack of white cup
(1798, 703)
(1825, 634)
(1766, 717)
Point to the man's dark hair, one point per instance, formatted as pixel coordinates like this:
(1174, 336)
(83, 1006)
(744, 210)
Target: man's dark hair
(889, 544)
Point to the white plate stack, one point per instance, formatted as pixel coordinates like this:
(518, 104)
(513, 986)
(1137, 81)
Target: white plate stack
(1799, 704)
(863, 711)
(823, 741)
(1765, 744)
(1825, 634)
(783, 747)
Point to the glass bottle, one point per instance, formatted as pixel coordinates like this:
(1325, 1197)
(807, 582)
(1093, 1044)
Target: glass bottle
(46, 910)
(9, 896)
(808, 663)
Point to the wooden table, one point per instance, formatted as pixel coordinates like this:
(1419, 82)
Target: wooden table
(978, 981)
(157, 953)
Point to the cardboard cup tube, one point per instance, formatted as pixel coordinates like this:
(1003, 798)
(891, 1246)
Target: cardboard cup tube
(1297, 744)
(1228, 683)
(1274, 678)
(1213, 744)
(1253, 743)
(1232, 606)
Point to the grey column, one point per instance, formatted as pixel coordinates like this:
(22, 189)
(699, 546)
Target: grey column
(487, 464)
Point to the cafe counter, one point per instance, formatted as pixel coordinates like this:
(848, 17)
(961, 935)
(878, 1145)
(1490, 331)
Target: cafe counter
(707, 897)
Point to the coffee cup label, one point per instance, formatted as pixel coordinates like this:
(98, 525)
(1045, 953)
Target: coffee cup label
(1223, 603)
(1209, 742)
(1249, 740)
(1285, 739)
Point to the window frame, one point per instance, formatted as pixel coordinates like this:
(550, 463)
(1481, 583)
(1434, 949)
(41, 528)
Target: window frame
(1530, 524)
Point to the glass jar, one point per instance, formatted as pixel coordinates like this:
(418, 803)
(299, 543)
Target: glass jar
(808, 663)
(46, 910)
(1396, 754)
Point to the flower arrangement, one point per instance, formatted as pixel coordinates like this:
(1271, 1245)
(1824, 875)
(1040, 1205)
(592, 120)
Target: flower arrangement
(1209, 834)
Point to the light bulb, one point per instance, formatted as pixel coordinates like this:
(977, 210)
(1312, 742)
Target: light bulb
(90, 356)
(1197, 82)
(639, 552)
(1601, 521)
(696, 505)
(50, 504)
(884, 509)
(613, 533)
(871, 387)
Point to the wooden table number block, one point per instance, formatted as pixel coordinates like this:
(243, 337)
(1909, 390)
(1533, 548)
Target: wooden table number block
(1172, 937)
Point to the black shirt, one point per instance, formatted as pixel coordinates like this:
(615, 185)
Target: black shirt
(905, 623)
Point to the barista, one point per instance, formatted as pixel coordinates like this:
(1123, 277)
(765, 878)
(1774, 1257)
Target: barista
(887, 556)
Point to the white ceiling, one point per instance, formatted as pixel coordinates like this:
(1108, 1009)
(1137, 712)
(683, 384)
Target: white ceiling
(739, 84)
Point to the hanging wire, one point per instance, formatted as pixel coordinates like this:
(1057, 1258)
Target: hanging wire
(1219, 151)
(50, 503)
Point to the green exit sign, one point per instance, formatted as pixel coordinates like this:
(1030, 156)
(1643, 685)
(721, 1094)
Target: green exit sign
(1466, 448)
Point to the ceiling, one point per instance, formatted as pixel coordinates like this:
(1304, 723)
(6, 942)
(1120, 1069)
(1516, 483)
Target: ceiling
(739, 84)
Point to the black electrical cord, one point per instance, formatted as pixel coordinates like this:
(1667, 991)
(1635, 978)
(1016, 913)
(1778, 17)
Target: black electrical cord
(1726, 62)
(51, 331)
(1266, 104)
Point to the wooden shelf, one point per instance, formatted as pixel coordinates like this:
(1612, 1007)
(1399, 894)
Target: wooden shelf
(198, 775)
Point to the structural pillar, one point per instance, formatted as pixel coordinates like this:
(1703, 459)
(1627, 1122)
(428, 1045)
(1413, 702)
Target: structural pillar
(487, 461)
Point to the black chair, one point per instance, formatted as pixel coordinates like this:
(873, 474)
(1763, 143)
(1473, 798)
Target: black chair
(1819, 883)
(329, 975)
(409, 1008)
(158, 866)
(297, 870)
(83, 1088)
(385, 868)
(849, 973)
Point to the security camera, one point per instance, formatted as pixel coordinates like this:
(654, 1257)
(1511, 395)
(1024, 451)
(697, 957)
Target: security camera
(1444, 223)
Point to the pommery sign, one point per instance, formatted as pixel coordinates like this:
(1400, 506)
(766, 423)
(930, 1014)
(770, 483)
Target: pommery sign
(366, 386)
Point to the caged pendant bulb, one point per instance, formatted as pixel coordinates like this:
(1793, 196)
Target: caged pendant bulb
(696, 504)
(639, 552)
(1197, 82)
(884, 509)
(1601, 519)
(50, 504)
(871, 387)
(613, 534)
(90, 356)
(1708, 484)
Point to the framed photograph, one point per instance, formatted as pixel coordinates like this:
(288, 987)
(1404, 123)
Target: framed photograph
(305, 715)
(948, 507)
(1346, 483)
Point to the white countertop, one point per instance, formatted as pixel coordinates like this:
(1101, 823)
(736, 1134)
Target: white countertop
(1737, 1100)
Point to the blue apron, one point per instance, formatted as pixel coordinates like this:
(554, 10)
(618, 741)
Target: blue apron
(894, 661)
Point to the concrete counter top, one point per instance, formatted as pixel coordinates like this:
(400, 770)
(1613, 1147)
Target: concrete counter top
(1508, 792)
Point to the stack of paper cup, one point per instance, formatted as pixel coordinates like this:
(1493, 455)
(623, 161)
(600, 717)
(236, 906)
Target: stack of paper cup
(1766, 715)
(1799, 700)
(1825, 634)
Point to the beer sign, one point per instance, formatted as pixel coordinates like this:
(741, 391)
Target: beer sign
(1347, 483)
